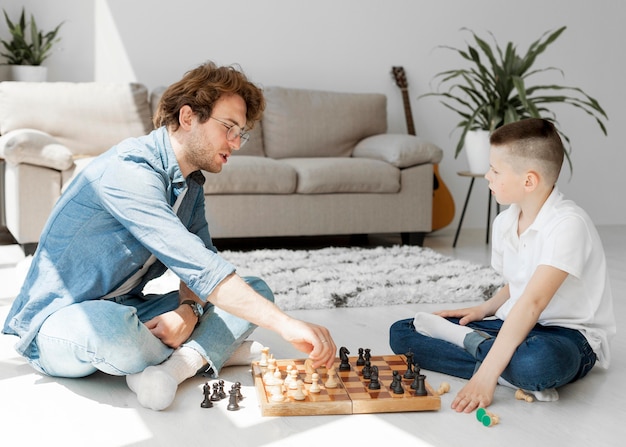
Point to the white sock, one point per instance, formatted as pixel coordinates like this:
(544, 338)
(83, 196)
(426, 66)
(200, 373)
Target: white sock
(156, 385)
(435, 326)
(245, 354)
(547, 395)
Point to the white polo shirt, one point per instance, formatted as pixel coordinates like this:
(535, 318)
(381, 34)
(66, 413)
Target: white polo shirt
(562, 236)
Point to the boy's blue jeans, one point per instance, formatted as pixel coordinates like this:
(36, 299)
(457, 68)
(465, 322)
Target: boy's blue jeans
(550, 357)
(109, 335)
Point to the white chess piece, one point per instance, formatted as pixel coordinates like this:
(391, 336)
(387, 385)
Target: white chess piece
(264, 357)
(299, 394)
(293, 379)
(331, 382)
(315, 386)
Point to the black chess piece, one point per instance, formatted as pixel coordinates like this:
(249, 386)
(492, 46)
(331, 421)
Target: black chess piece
(221, 391)
(396, 383)
(367, 355)
(409, 373)
(374, 383)
(361, 360)
(420, 389)
(206, 390)
(233, 404)
(367, 370)
(343, 355)
(238, 388)
(216, 394)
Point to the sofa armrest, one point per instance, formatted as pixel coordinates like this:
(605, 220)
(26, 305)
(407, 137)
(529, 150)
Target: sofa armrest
(35, 147)
(400, 150)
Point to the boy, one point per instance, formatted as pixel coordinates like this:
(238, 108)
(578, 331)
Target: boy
(552, 320)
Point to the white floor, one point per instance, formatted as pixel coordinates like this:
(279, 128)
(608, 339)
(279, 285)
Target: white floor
(101, 411)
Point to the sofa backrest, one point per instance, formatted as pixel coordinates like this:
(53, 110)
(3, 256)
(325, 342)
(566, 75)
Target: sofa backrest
(311, 123)
(88, 117)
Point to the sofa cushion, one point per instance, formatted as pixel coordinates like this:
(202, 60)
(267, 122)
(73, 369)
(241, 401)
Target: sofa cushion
(252, 175)
(88, 117)
(310, 123)
(400, 150)
(36, 148)
(344, 175)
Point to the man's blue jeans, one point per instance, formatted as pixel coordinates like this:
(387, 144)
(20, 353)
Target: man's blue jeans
(550, 357)
(109, 335)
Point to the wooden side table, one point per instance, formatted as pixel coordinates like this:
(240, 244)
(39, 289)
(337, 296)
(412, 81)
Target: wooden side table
(473, 177)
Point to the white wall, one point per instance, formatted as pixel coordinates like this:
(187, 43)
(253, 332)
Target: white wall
(350, 45)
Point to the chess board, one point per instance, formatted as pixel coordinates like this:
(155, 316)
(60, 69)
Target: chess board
(351, 396)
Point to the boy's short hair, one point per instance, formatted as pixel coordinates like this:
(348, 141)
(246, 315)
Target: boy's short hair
(200, 89)
(535, 140)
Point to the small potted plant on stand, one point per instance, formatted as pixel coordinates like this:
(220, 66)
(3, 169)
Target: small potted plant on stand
(27, 49)
(494, 91)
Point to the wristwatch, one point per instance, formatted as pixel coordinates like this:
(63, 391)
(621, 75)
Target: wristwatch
(198, 310)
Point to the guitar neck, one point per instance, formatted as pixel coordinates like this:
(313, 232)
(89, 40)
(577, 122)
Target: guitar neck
(407, 111)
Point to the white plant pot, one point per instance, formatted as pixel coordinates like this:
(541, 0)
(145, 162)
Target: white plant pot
(29, 73)
(476, 146)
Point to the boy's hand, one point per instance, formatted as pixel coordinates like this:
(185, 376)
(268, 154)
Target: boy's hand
(477, 393)
(466, 315)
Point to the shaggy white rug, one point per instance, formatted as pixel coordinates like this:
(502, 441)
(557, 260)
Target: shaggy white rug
(359, 277)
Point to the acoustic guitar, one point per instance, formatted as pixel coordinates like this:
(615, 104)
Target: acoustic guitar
(443, 203)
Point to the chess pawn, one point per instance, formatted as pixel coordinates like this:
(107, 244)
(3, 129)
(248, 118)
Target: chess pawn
(315, 386)
(331, 382)
(237, 386)
(367, 355)
(396, 384)
(287, 380)
(443, 388)
(268, 377)
(360, 361)
(220, 390)
(216, 395)
(374, 383)
(293, 379)
(367, 370)
(521, 395)
(276, 392)
(206, 390)
(264, 357)
(299, 394)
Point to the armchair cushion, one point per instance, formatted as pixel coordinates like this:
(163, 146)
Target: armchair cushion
(402, 151)
(36, 148)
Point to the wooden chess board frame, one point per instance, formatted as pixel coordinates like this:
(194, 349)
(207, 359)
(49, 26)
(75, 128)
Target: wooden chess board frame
(351, 395)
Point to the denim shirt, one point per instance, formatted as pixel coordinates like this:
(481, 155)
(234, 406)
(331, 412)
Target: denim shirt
(111, 219)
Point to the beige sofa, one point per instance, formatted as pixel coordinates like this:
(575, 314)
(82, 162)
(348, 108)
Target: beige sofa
(319, 163)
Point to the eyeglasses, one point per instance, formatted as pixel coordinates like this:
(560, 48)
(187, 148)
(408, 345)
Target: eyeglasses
(233, 132)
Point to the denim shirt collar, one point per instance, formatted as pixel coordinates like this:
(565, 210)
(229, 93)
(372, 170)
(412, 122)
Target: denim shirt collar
(170, 163)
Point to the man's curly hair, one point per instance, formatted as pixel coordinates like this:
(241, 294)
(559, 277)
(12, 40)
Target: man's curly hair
(200, 89)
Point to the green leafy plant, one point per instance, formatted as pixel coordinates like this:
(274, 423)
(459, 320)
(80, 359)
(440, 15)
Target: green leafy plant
(494, 89)
(23, 51)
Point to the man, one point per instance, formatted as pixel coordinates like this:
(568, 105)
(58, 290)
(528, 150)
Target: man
(134, 212)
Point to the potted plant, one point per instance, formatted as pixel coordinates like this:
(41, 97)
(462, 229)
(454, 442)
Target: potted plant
(27, 48)
(495, 90)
